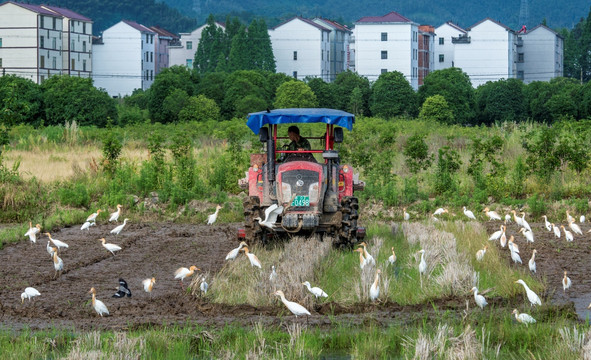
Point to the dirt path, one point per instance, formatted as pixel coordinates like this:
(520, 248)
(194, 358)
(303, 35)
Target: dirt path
(157, 249)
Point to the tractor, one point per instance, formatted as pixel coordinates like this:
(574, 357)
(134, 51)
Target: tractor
(291, 192)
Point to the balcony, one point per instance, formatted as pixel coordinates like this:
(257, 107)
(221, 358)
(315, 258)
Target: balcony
(462, 39)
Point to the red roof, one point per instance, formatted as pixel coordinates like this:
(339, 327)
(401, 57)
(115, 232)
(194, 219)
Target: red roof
(494, 21)
(163, 32)
(335, 24)
(137, 26)
(310, 22)
(35, 8)
(391, 17)
(67, 13)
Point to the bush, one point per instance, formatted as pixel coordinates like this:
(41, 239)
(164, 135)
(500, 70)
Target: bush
(537, 206)
(448, 163)
(200, 108)
(74, 195)
(435, 108)
(295, 94)
(416, 152)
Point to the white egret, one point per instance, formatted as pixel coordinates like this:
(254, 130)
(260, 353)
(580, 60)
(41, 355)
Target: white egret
(575, 228)
(480, 253)
(439, 211)
(369, 260)
(492, 215)
(49, 249)
(374, 291)
(87, 225)
(29, 294)
(111, 247)
(532, 261)
(361, 258)
(497, 234)
(118, 229)
(529, 235)
(392, 258)
(149, 285)
(523, 318)
(533, 298)
(58, 263)
(569, 218)
(515, 257)
(507, 218)
(33, 231)
(213, 217)
(406, 215)
(582, 219)
(234, 252)
(469, 214)
(92, 217)
(273, 275)
(271, 214)
(183, 272)
(524, 222)
(479, 299)
(566, 283)
(556, 230)
(254, 261)
(316, 291)
(203, 286)
(512, 245)
(115, 216)
(567, 234)
(98, 305)
(547, 223)
(517, 219)
(59, 244)
(503, 239)
(294, 307)
(422, 266)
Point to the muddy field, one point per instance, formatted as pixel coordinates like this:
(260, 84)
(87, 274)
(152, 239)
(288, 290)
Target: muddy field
(156, 250)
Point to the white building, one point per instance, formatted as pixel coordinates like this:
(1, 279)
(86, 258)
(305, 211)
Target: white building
(184, 53)
(387, 43)
(444, 46)
(301, 48)
(30, 41)
(339, 52)
(542, 55)
(125, 60)
(76, 42)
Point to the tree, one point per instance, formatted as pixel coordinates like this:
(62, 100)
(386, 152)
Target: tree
(455, 86)
(263, 58)
(20, 101)
(343, 87)
(211, 45)
(324, 92)
(501, 100)
(392, 95)
(435, 108)
(200, 108)
(241, 53)
(241, 84)
(416, 152)
(69, 98)
(175, 77)
(295, 94)
(212, 86)
(174, 103)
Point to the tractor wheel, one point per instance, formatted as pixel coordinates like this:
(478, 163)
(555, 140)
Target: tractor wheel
(347, 236)
(252, 209)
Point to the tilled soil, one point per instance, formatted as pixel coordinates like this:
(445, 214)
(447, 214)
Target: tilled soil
(553, 257)
(158, 249)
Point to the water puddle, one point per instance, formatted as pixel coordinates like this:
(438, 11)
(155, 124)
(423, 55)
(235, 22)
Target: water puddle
(581, 302)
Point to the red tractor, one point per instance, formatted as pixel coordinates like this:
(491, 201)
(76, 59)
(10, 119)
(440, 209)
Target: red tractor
(290, 191)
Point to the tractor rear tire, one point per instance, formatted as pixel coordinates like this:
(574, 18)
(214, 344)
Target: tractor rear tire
(252, 229)
(347, 236)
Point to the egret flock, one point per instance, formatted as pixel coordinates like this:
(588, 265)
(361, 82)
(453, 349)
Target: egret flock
(365, 258)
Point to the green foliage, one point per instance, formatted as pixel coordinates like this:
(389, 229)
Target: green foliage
(244, 84)
(70, 98)
(343, 87)
(435, 108)
(137, 98)
(448, 164)
(356, 103)
(172, 105)
(537, 206)
(111, 152)
(324, 92)
(295, 94)
(486, 164)
(212, 86)
(518, 177)
(20, 101)
(165, 83)
(416, 152)
(131, 115)
(392, 95)
(501, 101)
(455, 86)
(200, 108)
(74, 195)
(211, 45)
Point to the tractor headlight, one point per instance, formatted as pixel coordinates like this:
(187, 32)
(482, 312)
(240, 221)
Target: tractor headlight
(313, 192)
(286, 193)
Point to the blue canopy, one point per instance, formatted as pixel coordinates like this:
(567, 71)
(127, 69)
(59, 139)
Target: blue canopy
(300, 116)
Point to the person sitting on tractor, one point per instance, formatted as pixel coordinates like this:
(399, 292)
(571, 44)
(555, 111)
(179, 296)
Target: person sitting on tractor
(298, 142)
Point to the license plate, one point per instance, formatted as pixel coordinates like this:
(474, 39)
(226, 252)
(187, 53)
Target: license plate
(301, 200)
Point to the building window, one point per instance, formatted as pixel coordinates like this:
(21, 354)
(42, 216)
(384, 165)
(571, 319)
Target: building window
(72, 47)
(189, 63)
(147, 38)
(0, 42)
(322, 54)
(42, 62)
(327, 55)
(84, 30)
(520, 57)
(151, 39)
(295, 55)
(53, 44)
(42, 78)
(151, 56)
(42, 42)
(54, 24)
(295, 75)
(84, 46)
(441, 58)
(384, 71)
(520, 75)
(83, 65)
(189, 45)
(0, 62)
(73, 67)
(384, 36)
(54, 62)
(147, 56)
(151, 74)
(41, 22)
(441, 41)
(384, 54)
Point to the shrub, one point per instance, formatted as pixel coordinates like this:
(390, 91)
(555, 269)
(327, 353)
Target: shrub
(295, 94)
(200, 108)
(416, 152)
(448, 163)
(537, 206)
(111, 152)
(74, 195)
(435, 108)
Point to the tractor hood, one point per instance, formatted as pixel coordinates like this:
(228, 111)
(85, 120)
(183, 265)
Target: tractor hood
(300, 116)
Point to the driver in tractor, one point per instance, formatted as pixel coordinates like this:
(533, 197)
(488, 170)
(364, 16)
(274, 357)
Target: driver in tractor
(297, 142)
